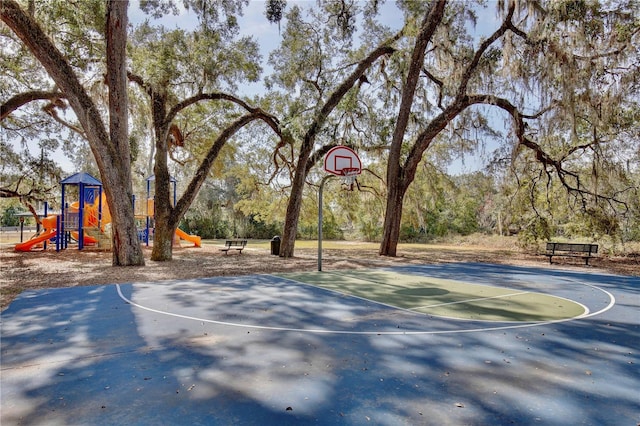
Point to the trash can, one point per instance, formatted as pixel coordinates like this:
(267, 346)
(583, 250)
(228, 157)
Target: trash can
(275, 246)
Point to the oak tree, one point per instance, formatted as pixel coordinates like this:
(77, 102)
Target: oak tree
(110, 145)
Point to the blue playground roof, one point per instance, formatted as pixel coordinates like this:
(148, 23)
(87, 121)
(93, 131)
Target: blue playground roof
(78, 178)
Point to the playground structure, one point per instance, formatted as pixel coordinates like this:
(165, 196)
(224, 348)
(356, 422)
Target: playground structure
(145, 235)
(87, 222)
(83, 222)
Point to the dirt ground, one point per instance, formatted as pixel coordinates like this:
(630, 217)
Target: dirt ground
(48, 269)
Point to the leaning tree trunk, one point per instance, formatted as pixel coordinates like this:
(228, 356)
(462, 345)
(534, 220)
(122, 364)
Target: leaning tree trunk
(290, 230)
(392, 219)
(397, 180)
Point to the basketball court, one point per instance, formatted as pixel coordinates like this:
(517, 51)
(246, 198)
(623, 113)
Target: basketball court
(438, 344)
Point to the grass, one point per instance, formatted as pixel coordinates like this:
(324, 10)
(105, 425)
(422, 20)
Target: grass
(469, 243)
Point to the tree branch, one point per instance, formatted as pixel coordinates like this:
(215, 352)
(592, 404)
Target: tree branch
(271, 120)
(438, 83)
(21, 99)
(50, 109)
(338, 94)
(470, 69)
(541, 156)
(206, 164)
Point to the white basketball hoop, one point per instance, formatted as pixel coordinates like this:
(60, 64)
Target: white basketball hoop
(349, 175)
(342, 161)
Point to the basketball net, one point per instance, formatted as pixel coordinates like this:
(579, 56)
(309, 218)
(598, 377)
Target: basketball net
(349, 175)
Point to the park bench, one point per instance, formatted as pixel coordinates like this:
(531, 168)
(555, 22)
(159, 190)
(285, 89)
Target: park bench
(584, 251)
(234, 245)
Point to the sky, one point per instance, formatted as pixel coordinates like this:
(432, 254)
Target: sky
(254, 23)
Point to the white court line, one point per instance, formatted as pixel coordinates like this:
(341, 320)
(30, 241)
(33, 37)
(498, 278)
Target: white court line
(470, 300)
(612, 301)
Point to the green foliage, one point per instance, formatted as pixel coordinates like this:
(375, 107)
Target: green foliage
(213, 16)
(631, 230)
(438, 205)
(164, 57)
(204, 226)
(410, 234)
(537, 229)
(330, 229)
(600, 223)
(274, 10)
(78, 30)
(261, 230)
(9, 217)
(342, 16)
(26, 176)
(370, 231)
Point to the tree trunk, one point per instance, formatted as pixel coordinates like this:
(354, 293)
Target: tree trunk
(305, 162)
(287, 244)
(163, 233)
(164, 225)
(397, 182)
(114, 165)
(126, 246)
(392, 218)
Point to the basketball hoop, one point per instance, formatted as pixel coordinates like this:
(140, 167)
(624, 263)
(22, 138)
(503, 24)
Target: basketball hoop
(343, 162)
(349, 175)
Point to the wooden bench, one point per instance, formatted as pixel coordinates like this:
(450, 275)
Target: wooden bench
(584, 251)
(234, 245)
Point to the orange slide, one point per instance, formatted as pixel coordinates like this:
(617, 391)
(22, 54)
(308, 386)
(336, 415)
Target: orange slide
(90, 219)
(40, 238)
(88, 240)
(48, 231)
(195, 239)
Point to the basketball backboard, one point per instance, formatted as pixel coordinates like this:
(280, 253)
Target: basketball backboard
(341, 160)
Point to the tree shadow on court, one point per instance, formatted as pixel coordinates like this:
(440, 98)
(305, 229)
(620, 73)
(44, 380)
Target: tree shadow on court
(61, 352)
(473, 378)
(85, 356)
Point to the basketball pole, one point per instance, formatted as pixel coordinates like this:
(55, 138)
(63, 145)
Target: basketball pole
(326, 178)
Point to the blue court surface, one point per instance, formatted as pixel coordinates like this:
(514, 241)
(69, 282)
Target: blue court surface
(274, 350)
